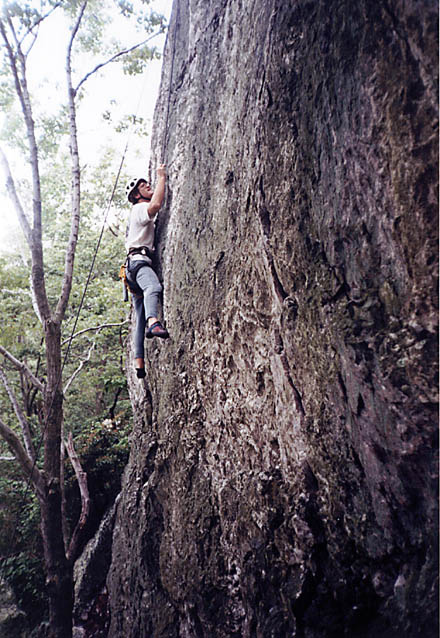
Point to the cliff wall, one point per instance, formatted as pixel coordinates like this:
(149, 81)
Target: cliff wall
(282, 479)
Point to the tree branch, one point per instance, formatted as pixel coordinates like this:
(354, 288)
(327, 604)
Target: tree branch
(12, 192)
(64, 522)
(79, 368)
(115, 57)
(81, 477)
(104, 325)
(25, 101)
(38, 282)
(22, 367)
(76, 179)
(29, 468)
(115, 401)
(37, 24)
(12, 29)
(34, 37)
(20, 416)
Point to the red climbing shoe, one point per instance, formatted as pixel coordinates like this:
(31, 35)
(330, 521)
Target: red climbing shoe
(157, 330)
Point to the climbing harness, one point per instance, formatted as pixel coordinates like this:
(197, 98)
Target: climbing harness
(142, 250)
(129, 270)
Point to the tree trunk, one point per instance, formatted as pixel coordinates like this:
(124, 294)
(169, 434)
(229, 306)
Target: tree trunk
(59, 571)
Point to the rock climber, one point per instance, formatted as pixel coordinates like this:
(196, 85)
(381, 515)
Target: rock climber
(142, 279)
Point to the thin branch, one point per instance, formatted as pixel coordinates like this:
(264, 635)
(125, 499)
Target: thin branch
(12, 61)
(37, 24)
(115, 401)
(66, 285)
(34, 300)
(25, 101)
(34, 38)
(12, 29)
(76, 27)
(81, 477)
(104, 325)
(64, 521)
(12, 192)
(29, 468)
(79, 368)
(115, 57)
(27, 438)
(38, 281)
(22, 367)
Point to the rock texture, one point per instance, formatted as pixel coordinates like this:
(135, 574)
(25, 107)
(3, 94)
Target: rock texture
(12, 619)
(91, 613)
(282, 479)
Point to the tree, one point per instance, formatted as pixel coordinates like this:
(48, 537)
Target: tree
(19, 27)
(97, 409)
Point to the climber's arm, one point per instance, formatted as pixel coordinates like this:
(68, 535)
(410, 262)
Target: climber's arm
(159, 192)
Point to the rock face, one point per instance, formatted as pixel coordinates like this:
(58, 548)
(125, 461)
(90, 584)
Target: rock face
(90, 613)
(282, 479)
(12, 619)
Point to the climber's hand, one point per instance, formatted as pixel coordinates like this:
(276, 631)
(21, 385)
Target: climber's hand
(161, 171)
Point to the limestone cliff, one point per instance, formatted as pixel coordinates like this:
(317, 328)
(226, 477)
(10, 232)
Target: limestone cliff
(282, 478)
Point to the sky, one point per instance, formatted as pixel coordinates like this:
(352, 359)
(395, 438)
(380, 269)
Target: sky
(108, 90)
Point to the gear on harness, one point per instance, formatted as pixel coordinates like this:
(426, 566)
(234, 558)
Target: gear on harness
(123, 278)
(128, 270)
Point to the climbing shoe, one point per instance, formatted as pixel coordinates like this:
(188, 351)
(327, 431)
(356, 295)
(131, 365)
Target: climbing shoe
(157, 330)
(140, 373)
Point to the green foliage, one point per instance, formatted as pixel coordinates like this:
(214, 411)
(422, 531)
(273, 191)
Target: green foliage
(20, 544)
(12, 129)
(51, 128)
(137, 125)
(103, 448)
(26, 13)
(7, 91)
(137, 60)
(97, 407)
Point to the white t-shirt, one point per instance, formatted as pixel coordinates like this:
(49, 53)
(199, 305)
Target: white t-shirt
(141, 229)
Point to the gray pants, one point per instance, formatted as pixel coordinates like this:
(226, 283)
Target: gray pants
(146, 306)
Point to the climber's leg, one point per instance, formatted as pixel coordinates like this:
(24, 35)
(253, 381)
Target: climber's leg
(139, 333)
(138, 336)
(147, 279)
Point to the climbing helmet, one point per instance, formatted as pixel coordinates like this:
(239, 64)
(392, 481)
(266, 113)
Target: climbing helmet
(132, 184)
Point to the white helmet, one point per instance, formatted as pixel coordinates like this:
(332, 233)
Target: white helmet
(132, 185)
